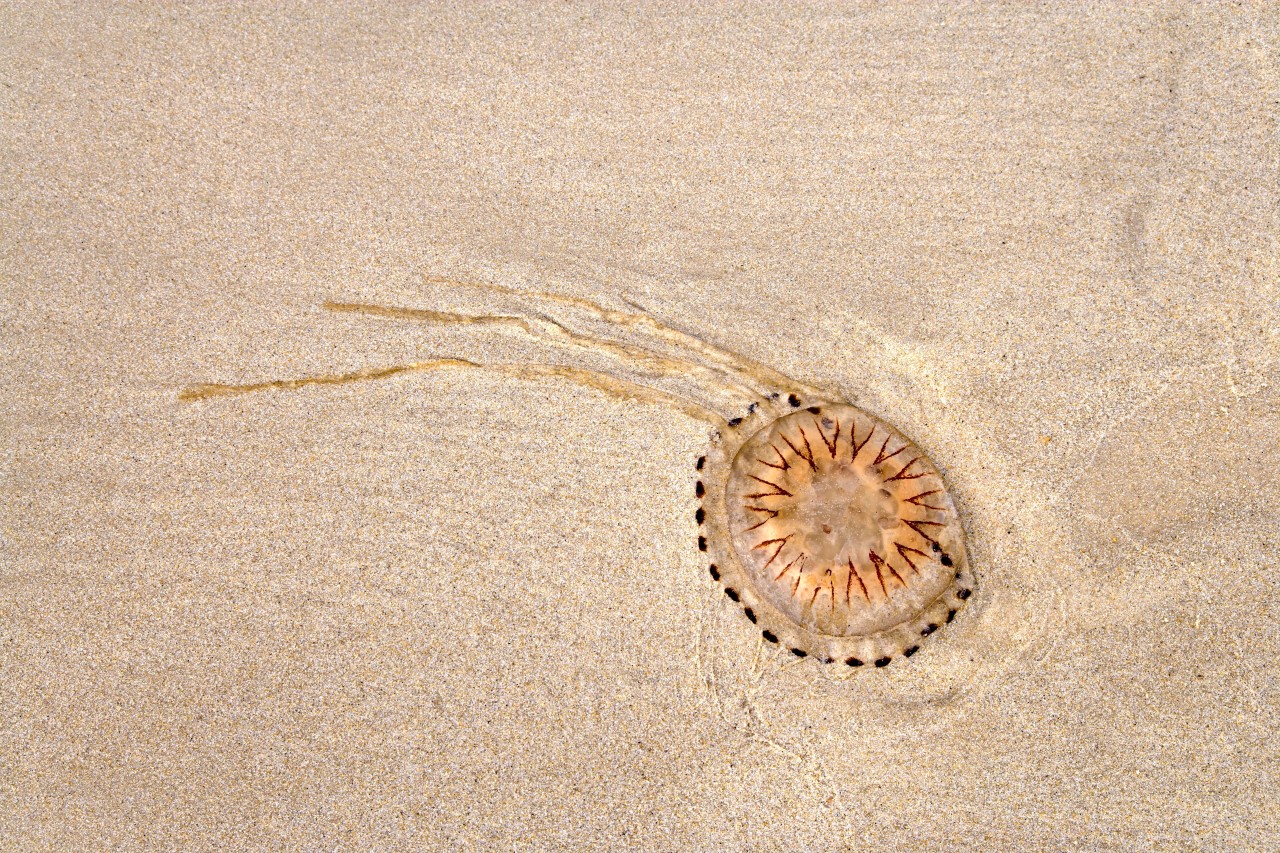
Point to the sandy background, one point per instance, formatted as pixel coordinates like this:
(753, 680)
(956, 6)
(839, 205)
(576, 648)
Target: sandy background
(460, 609)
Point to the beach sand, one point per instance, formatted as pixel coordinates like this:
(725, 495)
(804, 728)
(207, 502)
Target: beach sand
(461, 609)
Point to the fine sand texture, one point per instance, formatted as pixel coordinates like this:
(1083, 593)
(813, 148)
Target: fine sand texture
(459, 608)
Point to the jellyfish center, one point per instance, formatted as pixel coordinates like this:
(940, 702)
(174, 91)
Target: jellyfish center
(839, 521)
(840, 513)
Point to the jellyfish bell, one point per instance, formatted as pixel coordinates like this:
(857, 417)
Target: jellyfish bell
(835, 532)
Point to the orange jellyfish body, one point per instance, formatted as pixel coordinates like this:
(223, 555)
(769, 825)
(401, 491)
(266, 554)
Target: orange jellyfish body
(835, 534)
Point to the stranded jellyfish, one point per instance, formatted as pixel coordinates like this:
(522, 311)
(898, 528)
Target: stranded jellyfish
(832, 531)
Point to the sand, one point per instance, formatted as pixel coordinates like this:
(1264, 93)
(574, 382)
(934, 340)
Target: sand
(465, 610)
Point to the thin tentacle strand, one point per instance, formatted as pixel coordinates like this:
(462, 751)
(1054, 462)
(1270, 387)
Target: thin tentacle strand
(620, 388)
(766, 380)
(549, 329)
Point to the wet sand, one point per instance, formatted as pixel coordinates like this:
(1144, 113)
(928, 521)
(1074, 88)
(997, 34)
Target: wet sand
(457, 608)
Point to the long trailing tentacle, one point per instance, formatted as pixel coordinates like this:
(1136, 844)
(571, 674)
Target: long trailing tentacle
(620, 388)
(547, 328)
(705, 363)
(767, 380)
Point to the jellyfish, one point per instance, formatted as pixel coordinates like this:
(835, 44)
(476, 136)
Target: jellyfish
(831, 530)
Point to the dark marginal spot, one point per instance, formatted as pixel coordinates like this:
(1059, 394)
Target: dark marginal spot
(751, 614)
(951, 614)
(731, 592)
(702, 543)
(698, 490)
(853, 662)
(752, 408)
(828, 660)
(700, 515)
(793, 400)
(814, 410)
(883, 661)
(937, 549)
(911, 651)
(768, 635)
(773, 395)
(964, 593)
(945, 559)
(715, 572)
(800, 653)
(928, 629)
(734, 421)
(702, 460)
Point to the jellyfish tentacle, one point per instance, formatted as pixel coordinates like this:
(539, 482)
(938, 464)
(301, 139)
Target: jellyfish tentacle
(612, 385)
(709, 367)
(552, 330)
(624, 389)
(205, 390)
(767, 381)
(774, 380)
